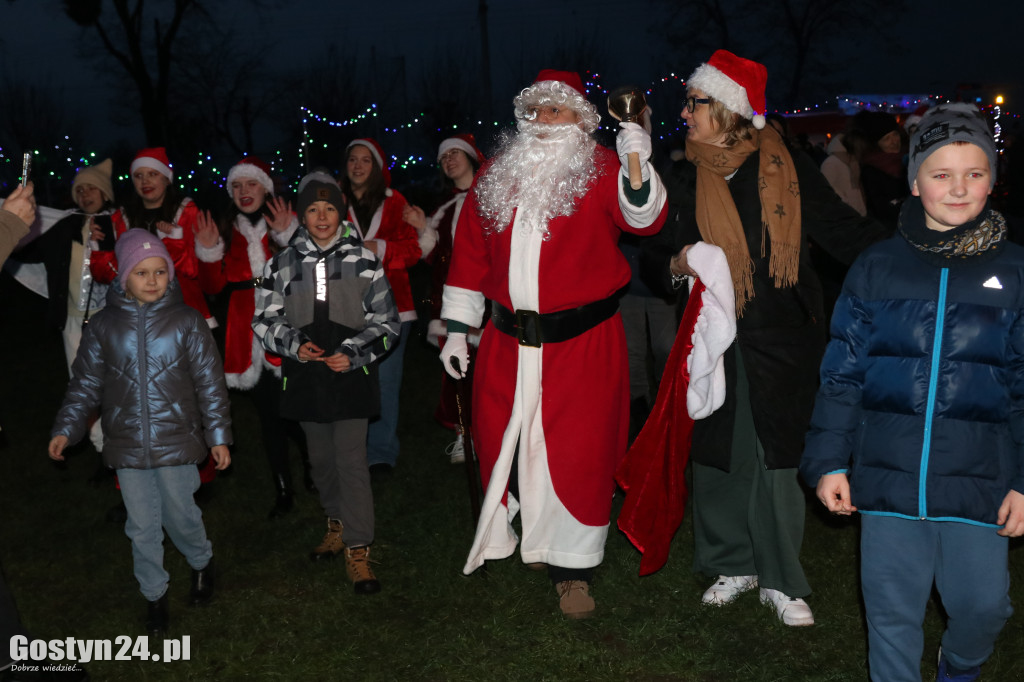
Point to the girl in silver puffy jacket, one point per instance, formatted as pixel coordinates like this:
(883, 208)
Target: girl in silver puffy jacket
(149, 363)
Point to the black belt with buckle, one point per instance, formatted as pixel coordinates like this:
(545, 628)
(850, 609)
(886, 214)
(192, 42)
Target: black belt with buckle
(242, 286)
(533, 328)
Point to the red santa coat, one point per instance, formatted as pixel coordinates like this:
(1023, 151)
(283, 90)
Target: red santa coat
(244, 355)
(180, 245)
(401, 248)
(564, 404)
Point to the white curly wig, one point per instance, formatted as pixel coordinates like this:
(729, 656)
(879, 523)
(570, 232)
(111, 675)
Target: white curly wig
(559, 94)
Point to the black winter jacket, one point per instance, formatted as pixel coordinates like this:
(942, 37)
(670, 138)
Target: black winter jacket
(782, 331)
(154, 372)
(53, 249)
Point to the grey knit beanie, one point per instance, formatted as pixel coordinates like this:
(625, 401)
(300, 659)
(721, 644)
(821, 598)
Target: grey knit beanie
(318, 188)
(946, 123)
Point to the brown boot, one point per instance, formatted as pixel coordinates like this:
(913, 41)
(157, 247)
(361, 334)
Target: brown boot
(357, 565)
(331, 546)
(574, 599)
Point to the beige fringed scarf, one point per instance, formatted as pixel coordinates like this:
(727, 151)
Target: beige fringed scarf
(719, 222)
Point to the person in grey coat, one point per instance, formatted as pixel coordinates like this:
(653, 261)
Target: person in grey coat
(149, 363)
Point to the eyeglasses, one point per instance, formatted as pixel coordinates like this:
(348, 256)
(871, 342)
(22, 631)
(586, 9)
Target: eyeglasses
(450, 154)
(534, 112)
(692, 102)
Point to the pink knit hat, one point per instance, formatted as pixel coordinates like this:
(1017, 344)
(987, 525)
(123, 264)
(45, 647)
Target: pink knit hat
(135, 246)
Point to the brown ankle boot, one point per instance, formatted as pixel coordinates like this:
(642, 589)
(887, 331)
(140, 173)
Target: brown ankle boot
(357, 565)
(331, 546)
(574, 599)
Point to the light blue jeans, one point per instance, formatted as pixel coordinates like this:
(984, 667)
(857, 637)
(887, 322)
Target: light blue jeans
(382, 437)
(900, 559)
(157, 499)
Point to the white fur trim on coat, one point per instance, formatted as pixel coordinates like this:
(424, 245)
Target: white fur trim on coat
(642, 216)
(462, 305)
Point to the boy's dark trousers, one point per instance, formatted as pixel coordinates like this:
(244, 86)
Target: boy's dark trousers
(900, 558)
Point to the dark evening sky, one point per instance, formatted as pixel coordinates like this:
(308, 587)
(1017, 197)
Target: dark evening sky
(942, 42)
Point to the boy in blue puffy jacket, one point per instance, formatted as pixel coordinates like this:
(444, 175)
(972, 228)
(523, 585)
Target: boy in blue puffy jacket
(149, 362)
(919, 420)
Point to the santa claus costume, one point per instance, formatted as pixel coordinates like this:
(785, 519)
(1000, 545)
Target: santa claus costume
(376, 211)
(233, 264)
(538, 237)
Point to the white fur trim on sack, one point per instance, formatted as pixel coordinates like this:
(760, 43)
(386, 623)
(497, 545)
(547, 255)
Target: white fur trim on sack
(713, 332)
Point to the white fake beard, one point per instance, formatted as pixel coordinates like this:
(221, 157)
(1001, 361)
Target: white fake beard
(542, 177)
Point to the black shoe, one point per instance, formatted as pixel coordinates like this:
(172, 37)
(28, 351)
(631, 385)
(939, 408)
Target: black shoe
(157, 617)
(284, 502)
(117, 514)
(202, 585)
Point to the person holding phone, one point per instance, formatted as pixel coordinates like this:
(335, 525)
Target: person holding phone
(66, 249)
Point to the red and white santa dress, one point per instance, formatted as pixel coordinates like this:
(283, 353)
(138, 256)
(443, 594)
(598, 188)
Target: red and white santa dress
(180, 242)
(398, 245)
(236, 266)
(561, 408)
(436, 242)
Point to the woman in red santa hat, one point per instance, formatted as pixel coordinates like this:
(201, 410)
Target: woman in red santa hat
(376, 210)
(231, 258)
(460, 159)
(157, 206)
(745, 192)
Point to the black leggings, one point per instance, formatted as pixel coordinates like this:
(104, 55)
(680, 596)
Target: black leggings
(266, 396)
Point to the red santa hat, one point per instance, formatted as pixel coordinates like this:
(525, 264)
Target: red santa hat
(910, 125)
(736, 82)
(251, 167)
(155, 158)
(464, 141)
(561, 88)
(376, 151)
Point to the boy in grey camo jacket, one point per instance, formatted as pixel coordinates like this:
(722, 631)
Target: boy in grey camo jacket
(325, 306)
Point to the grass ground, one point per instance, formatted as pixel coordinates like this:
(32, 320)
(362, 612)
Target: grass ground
(277, 616)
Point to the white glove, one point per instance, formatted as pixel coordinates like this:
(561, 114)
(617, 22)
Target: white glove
(455, 347)
(633, 138)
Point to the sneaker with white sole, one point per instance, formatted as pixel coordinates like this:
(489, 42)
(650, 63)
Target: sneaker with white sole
(792, 611)
(456, 451)
(727, 588)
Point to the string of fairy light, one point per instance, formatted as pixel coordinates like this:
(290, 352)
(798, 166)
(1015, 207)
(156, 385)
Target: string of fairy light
(62, 161)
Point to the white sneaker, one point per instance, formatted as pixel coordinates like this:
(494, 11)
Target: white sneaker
(456, 451)
(792, 611)
(727, 588)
